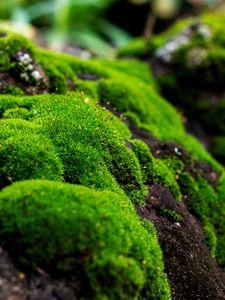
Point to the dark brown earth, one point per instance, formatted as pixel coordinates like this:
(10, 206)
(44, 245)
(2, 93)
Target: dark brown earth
(87, 76)
(16, 285)
(191, 270)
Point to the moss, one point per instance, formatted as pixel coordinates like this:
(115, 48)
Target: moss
(26, 154)
(17, 113)
(133, 68)
(211, 239)
(12, 90)
(71, 228)
(91, 144)
(8, 102)
(89, 141)
(10, 44)
(171, 214)
(154, 170)
(132, 97)
(202, 201)
(218, 147)
(194, 47)
(136, 48)
(86, 144)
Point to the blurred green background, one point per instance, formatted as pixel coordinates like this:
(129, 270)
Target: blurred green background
(97, 25)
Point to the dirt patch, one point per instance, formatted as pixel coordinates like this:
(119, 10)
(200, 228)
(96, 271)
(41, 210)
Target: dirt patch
(191, 270)
(16, 285)
(87, 76)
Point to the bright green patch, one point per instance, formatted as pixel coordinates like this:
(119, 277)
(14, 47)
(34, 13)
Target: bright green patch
(97, 235)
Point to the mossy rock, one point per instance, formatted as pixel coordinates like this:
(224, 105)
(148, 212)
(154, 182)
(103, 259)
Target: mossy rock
(111, 137)
(97, 233)
(190, 60)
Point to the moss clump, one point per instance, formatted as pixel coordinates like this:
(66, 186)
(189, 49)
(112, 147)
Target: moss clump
(12, 90)
(155, 170)
(204, 202)
(17, 113)
(69, 228)
(26, 154)
(133, 68)
(137, 48)
(10, 44)
(89, 141)
(171, 214)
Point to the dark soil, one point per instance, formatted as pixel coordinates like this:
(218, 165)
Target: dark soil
(8, 80)
(15, 285)
(87, 76)
(191, 270)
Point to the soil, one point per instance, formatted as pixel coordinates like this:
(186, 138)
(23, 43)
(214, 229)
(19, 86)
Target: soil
(16, 285)
(191, 270)
(87, 76)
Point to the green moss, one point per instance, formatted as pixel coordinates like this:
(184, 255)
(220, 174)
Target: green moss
(155, 170)
(133, 68)
(91, 144)
(203, 202)
(10, 45)
(85, 144)
(97, 235)
(211, 239)
(219, 147)
(89, 141)
(198, 56)
(171, 214)
(136, 48)
(12, 90)
(130, 93)
(26, 154)
(17, 113)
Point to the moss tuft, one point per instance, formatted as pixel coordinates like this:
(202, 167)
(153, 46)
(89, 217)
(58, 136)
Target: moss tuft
(155, 170)
(97, 235)
(26, 154)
